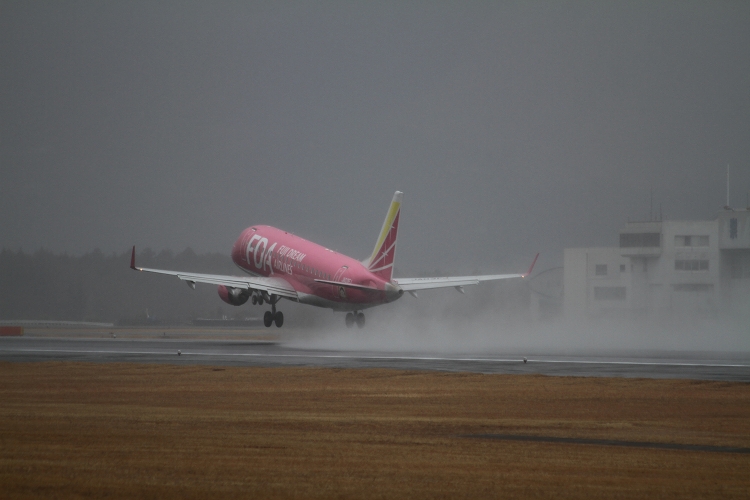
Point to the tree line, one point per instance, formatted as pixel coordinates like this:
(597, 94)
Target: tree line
(102, 287)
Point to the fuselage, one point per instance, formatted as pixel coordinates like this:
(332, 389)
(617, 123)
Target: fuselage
(322, 277)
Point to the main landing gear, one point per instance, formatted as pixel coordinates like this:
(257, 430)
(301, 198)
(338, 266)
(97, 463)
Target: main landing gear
(272, 316)
(355, 317)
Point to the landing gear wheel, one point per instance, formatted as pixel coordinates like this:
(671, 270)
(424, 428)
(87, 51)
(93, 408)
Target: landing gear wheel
(279, 319)
(360, 320)
(349, 320)
(254, 300)
(268, 318)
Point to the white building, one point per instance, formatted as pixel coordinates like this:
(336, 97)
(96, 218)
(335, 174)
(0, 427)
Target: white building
(664, 267)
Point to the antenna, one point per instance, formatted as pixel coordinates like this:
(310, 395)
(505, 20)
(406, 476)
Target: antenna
(727, 184)
(651, 206)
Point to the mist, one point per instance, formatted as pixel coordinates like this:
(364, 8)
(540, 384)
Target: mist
(512, 128)
(444, 324)
(492, 335)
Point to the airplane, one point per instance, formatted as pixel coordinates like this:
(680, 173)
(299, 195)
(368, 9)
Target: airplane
(280, 265)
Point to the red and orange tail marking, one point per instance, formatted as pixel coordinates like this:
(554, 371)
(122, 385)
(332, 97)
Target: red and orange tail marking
(380, 262)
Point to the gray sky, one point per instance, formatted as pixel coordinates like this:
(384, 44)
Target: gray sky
(511, 129)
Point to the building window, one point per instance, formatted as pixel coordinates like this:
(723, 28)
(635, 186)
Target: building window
(600, 270)
(609, 293)
(691, 265)
(622, 268)
(691, 241)
(733, 228)
(629, 240)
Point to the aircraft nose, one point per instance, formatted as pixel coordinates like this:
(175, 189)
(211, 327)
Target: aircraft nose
(393, 292)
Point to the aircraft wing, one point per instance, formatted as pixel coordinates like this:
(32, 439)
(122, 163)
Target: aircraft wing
(410, 284)
(414, 284)
(276, 286)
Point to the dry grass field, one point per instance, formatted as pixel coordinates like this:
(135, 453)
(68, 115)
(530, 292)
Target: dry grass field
(74, 430)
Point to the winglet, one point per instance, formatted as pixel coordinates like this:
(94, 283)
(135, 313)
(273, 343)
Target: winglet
(132, 259)
(530, 268)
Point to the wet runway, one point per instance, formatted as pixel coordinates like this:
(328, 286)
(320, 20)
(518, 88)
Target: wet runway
(691, 365)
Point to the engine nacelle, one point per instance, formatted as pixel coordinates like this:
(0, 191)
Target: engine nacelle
(233, 296)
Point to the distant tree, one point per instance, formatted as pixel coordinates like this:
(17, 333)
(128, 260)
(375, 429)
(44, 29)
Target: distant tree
(99, 287)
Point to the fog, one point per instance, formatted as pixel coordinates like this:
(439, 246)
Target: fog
(512, 128)
(491, 318)
(493, 334)
(444, 322)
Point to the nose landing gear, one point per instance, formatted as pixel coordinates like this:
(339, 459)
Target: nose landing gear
(355, 317)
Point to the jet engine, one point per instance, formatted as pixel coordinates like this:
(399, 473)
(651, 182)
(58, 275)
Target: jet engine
(233, 296)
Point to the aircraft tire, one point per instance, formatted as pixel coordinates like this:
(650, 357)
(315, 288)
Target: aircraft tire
(360, 320)
(279, 319)
(349, 320)
(268, 319)
(254, 300)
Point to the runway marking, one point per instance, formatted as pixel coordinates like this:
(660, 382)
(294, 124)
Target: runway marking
(386, 358)
(610, 442)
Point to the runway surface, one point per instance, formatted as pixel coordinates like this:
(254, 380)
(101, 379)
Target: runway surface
(233, 352)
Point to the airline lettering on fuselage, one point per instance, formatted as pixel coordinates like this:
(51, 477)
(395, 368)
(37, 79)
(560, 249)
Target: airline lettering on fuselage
(291, 253)
(286, 257)
(263, 255)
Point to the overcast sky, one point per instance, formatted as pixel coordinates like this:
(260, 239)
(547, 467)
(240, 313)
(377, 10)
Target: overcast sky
(510, 127)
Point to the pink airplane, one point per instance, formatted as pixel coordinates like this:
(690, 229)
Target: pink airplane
(282, 265)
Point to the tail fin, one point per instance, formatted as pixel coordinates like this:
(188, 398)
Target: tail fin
(380, 262)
